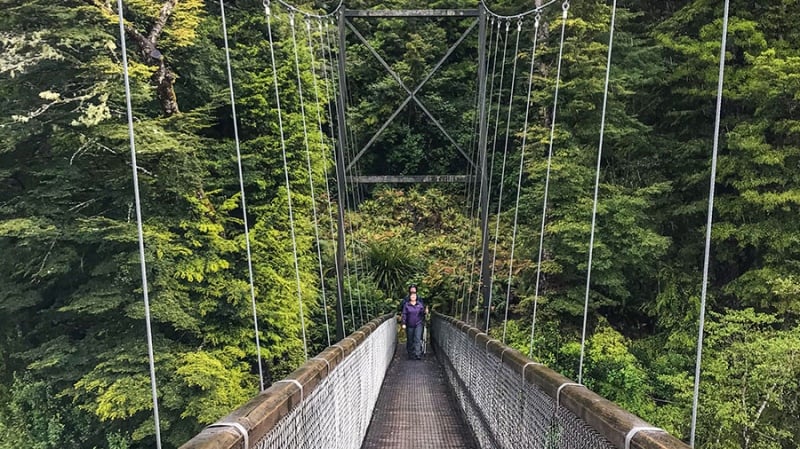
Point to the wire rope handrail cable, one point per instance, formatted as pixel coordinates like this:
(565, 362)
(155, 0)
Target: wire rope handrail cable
(597, 188)
(241, 192)
(709, 222)
(325, 403)
(542, 408)
(565, 10)
(268, 15)
(139, 226)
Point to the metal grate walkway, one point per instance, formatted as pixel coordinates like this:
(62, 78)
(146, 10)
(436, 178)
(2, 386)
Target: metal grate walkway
(415, 408)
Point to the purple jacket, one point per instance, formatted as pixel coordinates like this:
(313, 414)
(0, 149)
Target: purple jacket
(413, 315)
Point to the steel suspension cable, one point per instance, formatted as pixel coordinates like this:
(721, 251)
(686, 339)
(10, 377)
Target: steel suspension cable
(499, 95)
(139, 226)
(565, 10)
(468, 193)
(324, 172)
(709, 222)
(353, 193)
(349, 192)
(332, 92)
(330, 81)
(499, 101)
(471, 259)
(358, 198)
(596, 188)
(503, 169)
(308, 161)
(356, 250)
(473, 264)
(474, 260)
(468, 189)
(536, 10)
(473, 210)
(521, 169)
(496, 129)
(286, 174)
(470, 213)
(251, 277)
(345, 196)
(293, 8)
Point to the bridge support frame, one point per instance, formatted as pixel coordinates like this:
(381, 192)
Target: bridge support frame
(342, 168)
(486, 272)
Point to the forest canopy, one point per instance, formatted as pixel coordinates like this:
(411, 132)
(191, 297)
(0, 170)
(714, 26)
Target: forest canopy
(73, 352)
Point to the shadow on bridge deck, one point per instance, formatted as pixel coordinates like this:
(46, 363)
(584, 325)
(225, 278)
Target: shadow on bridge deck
(416, 409)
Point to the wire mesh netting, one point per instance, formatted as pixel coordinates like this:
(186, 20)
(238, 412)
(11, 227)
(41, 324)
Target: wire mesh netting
(337, 413)
(502, 408)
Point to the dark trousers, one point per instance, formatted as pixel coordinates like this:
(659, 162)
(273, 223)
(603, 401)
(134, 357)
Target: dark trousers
(414, 341)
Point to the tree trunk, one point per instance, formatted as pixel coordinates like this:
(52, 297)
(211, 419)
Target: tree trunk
(164, 78)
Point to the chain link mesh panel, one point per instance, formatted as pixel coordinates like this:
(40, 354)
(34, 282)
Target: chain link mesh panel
(337, 413)
(502, 408)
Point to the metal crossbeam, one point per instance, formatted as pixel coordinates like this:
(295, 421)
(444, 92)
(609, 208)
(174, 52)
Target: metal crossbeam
(412, 13)
(342, 170)
(416, 179)
(411, 94)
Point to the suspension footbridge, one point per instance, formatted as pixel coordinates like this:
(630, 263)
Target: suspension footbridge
(472, 390)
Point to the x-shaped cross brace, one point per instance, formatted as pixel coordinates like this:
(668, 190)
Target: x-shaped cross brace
(411, 94)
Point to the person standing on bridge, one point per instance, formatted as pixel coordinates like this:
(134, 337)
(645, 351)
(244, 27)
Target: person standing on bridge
(412, 289)
(413, 319)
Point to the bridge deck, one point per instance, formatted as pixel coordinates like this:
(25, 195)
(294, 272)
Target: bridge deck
(415, 408)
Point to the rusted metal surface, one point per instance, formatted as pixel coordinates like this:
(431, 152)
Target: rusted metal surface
(416, 410)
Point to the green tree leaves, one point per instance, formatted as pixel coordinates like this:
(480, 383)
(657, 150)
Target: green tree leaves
(72, 356)
(750, 381)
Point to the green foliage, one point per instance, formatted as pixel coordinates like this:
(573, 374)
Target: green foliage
(750, 382)
(66, 216)
(613, 372)
(391, 264)
(73, 360)
(221, 382)
(32, 415)
(415, 236)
